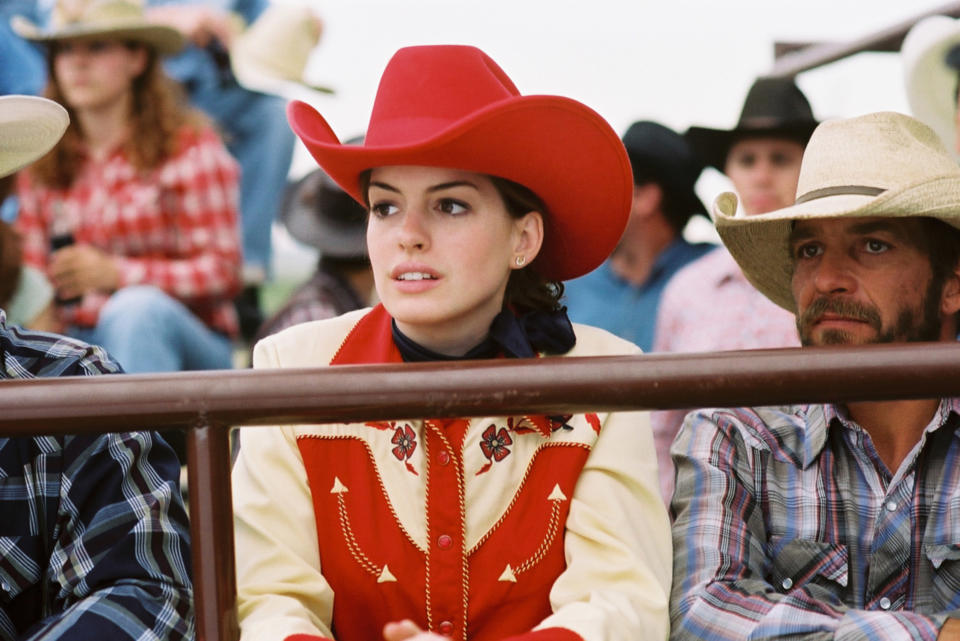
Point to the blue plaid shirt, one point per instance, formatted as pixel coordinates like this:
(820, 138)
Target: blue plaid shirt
(788, 524)
(93, 534)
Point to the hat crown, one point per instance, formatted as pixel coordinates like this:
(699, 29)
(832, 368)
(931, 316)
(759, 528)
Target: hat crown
(94, 12)
(281, 40)
(773, 102)
(426, 89)
(883, 151)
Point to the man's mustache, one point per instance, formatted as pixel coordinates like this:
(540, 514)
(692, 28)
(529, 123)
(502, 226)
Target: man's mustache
(845, 308)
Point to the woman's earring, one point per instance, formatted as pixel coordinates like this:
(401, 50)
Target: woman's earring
(521, 260)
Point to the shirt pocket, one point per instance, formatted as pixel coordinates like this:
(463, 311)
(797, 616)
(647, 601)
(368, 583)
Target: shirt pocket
(817, 566)
(945, 569)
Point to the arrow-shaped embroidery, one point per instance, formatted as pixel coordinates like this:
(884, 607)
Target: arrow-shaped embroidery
(510, 573)
(383, 574)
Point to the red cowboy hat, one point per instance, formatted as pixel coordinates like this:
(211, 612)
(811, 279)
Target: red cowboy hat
(452, 106)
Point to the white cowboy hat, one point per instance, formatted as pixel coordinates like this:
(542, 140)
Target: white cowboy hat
(930, 82)
(270, 56)
(882, 164)
(115, 19)
(29, 127)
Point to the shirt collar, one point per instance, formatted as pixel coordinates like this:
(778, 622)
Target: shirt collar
(819, 418)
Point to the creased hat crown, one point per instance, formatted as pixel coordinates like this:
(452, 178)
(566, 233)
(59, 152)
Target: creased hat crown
(400, 112)
(880, 151)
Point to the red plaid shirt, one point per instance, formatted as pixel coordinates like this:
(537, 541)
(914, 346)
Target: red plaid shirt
(174, 227)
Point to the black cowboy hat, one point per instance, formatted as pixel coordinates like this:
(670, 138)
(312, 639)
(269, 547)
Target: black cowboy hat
(661, 155)
(774, 107)
(317, 212)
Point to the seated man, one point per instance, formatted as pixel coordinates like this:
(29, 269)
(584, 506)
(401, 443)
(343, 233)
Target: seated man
(93, 534)
(822, 520)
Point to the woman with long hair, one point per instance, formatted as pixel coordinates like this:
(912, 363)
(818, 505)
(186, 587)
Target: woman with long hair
(480, 201)
(133, 215)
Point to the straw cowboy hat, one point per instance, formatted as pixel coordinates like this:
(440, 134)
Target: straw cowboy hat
(774, 107)
(318, 213)
(931, 73)
(882, 164)
(29, 127)
(270, 56)
(114, 19)
(452, 106)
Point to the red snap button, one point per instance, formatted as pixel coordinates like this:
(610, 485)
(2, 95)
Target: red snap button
(444, 541)
(443, 457)
(445, 628)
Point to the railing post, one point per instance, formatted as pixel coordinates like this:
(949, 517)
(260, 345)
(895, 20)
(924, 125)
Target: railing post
(211, 531)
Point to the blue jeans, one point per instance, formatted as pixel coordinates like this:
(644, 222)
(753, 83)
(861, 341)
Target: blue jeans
(146, 330)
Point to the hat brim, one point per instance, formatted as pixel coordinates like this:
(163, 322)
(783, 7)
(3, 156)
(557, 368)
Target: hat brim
(560, 149)
(303, 217)
(256, 77)
(29, 127)
(164, 40)
(712, 145)
(930, 82)
(760, 244)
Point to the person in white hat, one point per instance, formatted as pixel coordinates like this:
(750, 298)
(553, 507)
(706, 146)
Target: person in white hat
(834, 520)
(93, 531)
(931, 67)
(134, 213)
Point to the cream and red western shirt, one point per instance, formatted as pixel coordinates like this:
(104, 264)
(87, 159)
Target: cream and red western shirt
(547, 527)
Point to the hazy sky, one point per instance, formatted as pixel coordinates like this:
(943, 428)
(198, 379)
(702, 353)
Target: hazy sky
(680, 62)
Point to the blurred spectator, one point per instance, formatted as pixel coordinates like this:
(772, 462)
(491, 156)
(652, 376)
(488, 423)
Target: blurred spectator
(320, 214)
(931, 64)
(22, 70)
(622, 295)
(253, 123)
(95, 541)
(133, 214)
(709, 305)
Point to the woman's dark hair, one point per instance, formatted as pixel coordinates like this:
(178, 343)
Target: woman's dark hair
(527, 290)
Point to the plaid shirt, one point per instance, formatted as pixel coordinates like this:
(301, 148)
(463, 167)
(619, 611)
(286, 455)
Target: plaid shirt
(174, 227)
(93, 535)
(788, 523)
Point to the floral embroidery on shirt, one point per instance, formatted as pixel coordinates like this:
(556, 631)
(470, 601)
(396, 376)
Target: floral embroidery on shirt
(405, 440)
(494, 445)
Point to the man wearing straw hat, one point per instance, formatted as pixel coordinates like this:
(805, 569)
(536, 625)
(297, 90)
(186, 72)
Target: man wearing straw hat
(823, 520)
(93, 534)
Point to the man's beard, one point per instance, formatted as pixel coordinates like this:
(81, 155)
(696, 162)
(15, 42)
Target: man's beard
(905, 329)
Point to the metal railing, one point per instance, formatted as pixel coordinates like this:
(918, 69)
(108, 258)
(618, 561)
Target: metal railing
(208, 404)
(794, 58)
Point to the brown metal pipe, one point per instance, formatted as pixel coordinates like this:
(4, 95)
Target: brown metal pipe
(890, 38)
(378, 392)
(211, 532)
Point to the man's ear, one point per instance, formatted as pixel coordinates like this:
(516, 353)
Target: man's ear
(950, 298)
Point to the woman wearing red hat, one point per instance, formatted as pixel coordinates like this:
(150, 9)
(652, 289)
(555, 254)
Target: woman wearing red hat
(548, 527)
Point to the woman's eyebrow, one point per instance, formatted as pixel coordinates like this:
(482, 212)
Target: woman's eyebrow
(455, 183)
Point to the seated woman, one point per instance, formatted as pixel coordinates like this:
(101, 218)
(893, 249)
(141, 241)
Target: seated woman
(133, 215)
(542, 527)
